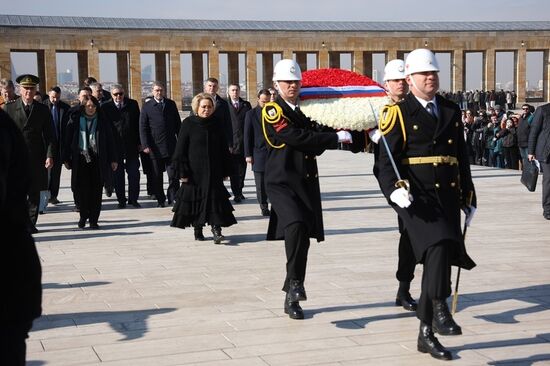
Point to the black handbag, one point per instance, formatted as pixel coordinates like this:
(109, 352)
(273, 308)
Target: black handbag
(529, 175)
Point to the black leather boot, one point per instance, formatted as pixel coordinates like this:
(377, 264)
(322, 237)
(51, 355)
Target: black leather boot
(217, 232)
(404, 298)
(293, 308)
(428, 343)
(198, 233)
(443, 322)
(296, 290)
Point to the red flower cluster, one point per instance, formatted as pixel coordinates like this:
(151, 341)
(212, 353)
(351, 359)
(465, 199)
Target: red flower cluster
(335, 77)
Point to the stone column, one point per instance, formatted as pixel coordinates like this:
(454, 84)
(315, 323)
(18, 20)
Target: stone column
(214, 63)
(122, 68)
(323, 58)
(82, 60)
(301, 60)
(367, 64)
(160, 68)
(198, 72)
(175, 78)
(267, 61)
(458, 73)
(251, 75)
(232, 68)
(93, 63)
(520, 73)
(358, 62)
(546, 76)
(135, 75)
(489, 69)
(391, 54)
(5, 63)
(41, 66)
(50, 70)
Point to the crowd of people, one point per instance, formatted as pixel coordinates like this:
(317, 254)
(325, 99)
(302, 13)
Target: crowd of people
(423, 167)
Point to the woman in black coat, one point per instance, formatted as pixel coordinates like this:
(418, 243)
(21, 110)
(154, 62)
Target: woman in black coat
(91, 154)
(202, 162)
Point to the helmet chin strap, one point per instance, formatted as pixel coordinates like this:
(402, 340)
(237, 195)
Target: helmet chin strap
(280, 91)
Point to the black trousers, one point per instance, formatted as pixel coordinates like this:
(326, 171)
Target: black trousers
(55, 178)
(261, 194)
(436, 279)
(34, 202)
(159, 166)
(89, 186)
(545, 187)
(406, 259)
(296, 248)
(131, 167)
(13, 348)
(237, 178)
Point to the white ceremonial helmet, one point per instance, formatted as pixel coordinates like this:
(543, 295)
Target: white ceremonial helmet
(287, 69)
(394, 70)
(420, 60)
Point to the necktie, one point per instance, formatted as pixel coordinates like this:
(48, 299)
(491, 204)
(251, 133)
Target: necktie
(55, 120)
(431, 109)
(27, 109)
(119, 106)
(236, 105)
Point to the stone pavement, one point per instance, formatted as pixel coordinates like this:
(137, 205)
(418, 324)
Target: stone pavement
(138, 292)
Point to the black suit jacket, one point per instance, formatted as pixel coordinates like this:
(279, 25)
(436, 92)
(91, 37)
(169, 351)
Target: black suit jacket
(159, 128)
(254, 141)
(539, 135)
(237, 124)
(221, 113)
(63, 117)
(125, 127)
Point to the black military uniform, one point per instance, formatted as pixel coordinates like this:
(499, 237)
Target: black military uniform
(431, 154)
(292, 185)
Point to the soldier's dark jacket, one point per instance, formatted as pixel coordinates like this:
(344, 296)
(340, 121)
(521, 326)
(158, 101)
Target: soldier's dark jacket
(291, 175)
(439, 190)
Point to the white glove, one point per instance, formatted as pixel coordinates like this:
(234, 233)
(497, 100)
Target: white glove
(469, 212)
(344, 136)
(401, 197)
(375, 135)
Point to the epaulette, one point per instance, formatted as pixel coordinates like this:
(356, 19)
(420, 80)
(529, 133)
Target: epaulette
(272, 113)
(388, 116)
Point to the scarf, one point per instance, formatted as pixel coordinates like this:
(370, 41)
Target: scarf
(87, 136)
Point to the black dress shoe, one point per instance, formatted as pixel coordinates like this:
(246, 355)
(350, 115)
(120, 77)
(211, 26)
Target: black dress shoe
(265, 212)
(237, 199)
(54, 201)
(94, 226)
(121, 205)
(546, 216)
(404, 298)
(296, 291)
(217, 232)
(198, 233)
(293, 309)
(443, 322)
(135, 204)
(161, 204)
(82, 223)
(428, 343)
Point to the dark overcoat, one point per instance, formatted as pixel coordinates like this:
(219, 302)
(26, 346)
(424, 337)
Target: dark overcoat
(159, 127)
(59, 134)
(125, 123)
(106, 148)
(439, 190)
(38, 135)
(202, 156)
(254, 142)
(19, 263)
(539, 134)
(291, 175)
(237, 124)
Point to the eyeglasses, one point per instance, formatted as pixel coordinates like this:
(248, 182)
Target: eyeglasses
(118, 94)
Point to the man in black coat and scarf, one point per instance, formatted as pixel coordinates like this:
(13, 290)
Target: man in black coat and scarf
(292, 180)
(431, 158)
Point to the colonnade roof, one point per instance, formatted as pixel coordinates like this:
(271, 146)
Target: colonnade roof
(34, 21)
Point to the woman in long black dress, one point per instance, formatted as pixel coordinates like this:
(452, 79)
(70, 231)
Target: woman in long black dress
(202, 161)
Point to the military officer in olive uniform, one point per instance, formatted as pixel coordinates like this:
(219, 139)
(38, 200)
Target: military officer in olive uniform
(35, 121)
(430, 155)
(291, 178)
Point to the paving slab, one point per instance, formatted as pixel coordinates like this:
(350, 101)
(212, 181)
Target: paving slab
(139, 292)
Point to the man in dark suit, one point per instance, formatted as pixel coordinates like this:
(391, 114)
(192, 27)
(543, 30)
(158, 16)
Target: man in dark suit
(60, 116)
(434, 169)
(221, 112)
(291, 179)
(19, 262)
(123, 113)
(237, 110)
(539, 149)
(159, 126)
(35, 121)
(255, 148)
